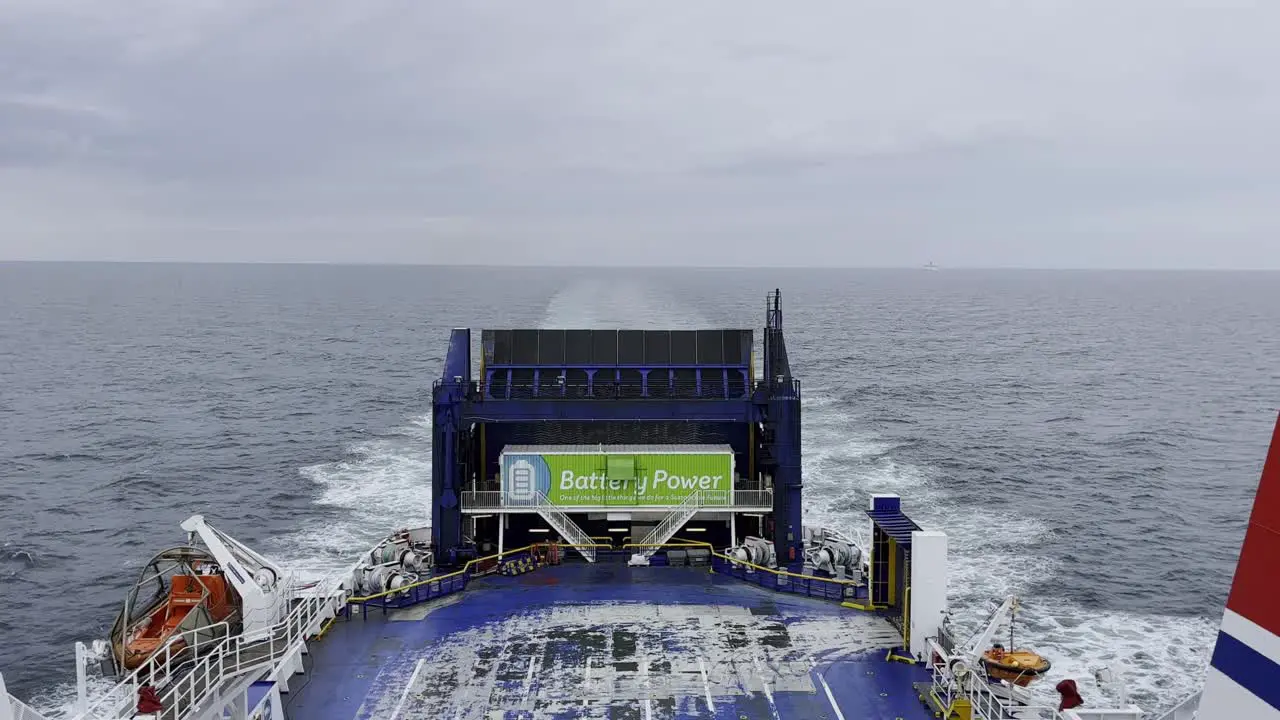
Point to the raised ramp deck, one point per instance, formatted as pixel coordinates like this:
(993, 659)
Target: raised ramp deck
(610, 641)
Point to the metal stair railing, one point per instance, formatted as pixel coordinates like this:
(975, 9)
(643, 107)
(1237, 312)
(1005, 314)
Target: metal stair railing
(178, 653)
(180, 650)
(246, 653)
(671, 524)
(567, 528)
(556, 518)
(195, 662)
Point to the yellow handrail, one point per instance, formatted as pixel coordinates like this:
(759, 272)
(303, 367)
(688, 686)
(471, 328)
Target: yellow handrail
(906, 619)
(438, 578)
(325, 628)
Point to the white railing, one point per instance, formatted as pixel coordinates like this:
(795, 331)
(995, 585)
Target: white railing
(246, 653)
(481, 499)
(179, 650)
(1108, 714)
(986, 704)
(11, 708)
(989, 706)
(753, 498)
(210, 659)
(663, 531)
(19, 710)
(495, 500)
(1185, 710)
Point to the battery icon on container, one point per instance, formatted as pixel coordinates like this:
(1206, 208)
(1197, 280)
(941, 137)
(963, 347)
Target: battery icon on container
(521, 487)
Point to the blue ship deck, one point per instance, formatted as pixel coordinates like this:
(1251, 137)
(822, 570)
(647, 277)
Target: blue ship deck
(609, 641)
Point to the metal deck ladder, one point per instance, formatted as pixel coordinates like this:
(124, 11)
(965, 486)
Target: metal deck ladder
(567, 528)
(671, 524)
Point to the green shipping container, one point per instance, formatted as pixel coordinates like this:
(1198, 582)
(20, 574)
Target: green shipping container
(617, 476)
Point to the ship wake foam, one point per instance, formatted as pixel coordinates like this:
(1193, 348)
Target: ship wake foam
(618, 304)
(381, 485)
(1162, 657)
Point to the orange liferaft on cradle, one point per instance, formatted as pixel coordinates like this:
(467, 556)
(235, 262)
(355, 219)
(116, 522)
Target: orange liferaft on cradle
(1020, 667)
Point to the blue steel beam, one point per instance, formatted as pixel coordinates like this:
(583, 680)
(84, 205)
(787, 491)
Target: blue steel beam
(457, 364)
(783, 422)
(741, 411)
(608, 384)
(446, 426)
(788, 537)
(619, 366)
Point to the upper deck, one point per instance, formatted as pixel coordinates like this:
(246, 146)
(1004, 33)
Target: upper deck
(616, 364)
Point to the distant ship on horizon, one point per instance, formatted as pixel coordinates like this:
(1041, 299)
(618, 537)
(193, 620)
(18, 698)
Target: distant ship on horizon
(931, 267)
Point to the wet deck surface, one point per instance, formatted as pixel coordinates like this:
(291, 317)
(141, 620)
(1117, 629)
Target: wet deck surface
(608, 641)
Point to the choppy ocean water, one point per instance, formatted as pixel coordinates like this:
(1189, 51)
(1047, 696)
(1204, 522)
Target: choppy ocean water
(1089, 440)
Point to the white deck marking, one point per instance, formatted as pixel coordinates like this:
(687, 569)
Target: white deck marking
(405, 695)
(773, 708)
(528, 681)
(706, 686)
(711, 633)
(831, 698)
(644, 671)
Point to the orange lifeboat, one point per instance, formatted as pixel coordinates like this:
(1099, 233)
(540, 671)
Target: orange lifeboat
(181, 596)
(1020, 667)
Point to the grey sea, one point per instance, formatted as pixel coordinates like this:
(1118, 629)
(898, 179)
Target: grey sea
(1091, 441)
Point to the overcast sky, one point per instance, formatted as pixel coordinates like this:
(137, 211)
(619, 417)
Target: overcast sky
(1047, 134)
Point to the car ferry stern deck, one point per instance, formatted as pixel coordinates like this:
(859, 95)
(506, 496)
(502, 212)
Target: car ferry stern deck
(608, 640)
(616, 533)
(623, 454)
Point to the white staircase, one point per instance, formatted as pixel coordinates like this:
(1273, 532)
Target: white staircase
(671, 524)
(567, 528)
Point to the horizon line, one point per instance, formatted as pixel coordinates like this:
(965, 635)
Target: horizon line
(511, 266)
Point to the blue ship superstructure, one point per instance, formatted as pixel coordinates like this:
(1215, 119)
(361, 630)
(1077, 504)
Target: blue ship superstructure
(611, 388)
(616, 532)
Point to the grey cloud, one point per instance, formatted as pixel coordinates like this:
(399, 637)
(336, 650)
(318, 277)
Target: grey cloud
(975, 133)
